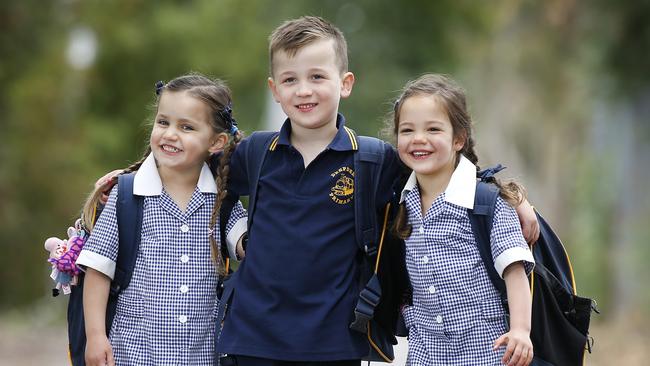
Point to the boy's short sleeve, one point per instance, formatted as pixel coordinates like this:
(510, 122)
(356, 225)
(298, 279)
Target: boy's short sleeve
(100, 251)
(508, 243)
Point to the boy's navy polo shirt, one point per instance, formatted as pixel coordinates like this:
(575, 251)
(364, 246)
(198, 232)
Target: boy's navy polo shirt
(296, 290)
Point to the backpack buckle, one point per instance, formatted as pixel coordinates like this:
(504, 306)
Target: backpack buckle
(360, 323)
(115, 289)
(370, 250)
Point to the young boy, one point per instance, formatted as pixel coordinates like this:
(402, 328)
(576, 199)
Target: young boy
(297, 288)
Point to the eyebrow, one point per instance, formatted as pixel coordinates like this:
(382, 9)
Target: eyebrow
(317, 69)
(284, 74)
(310, 70)
(435, 121)
(182, 119)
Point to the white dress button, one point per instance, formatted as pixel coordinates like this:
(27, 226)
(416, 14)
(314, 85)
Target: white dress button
(439, 319)
(425, 259)
(421, 230)
(432, 289)
(182, 319)
(185, 258)
(184, 289)
(185, 228)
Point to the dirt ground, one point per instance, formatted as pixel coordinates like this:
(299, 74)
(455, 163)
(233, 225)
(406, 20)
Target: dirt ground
(39, 337)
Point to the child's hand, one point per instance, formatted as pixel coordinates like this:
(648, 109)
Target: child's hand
(519, 348)
(528, 220)
(106, 183)
(99, 352)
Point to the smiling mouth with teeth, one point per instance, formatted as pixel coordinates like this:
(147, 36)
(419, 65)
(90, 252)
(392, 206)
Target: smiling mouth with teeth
(168, 148)
(418, 154)
(306, 106)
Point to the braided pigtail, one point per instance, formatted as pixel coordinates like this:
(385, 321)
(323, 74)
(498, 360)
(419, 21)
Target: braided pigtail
(222, 191)
(511, 191)
(401, 227)
(469, 152)
(89, 211)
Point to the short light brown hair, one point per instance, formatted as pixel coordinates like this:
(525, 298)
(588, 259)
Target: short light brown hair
(292, 35)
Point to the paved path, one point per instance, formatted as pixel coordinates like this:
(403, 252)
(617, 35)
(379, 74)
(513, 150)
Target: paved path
(47, 346)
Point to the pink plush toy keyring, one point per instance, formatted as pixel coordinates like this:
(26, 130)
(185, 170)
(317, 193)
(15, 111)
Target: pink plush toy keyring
(63, 257)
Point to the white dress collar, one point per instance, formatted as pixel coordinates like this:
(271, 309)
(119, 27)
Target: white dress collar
(461, 188)
(147, 179)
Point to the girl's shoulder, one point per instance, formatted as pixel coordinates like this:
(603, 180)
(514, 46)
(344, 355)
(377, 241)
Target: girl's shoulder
(503, 208)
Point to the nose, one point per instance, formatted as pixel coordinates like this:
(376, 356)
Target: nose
(170, 133)
(418, 137)
(304, 90)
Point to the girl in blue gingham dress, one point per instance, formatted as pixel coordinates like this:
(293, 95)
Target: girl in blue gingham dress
(167, 315)
(456, 316)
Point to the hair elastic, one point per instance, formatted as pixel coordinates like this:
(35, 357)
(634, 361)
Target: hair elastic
(159, 86)
(231, 123)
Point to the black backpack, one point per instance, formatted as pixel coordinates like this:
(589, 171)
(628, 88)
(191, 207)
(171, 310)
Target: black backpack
(383, 281)
(129, 220)
(560, 318)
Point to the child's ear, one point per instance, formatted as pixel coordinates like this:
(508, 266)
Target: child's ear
(459, 142)
(273, 89)
(347, 82)
(218, 143)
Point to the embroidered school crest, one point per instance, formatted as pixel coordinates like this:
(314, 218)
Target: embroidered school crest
(343, 188)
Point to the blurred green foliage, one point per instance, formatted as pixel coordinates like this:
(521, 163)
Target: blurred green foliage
(560, 89)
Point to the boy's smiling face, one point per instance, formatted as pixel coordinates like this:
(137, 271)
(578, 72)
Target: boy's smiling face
(309, 85)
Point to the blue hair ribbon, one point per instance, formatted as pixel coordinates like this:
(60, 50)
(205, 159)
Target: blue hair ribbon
(487, 174)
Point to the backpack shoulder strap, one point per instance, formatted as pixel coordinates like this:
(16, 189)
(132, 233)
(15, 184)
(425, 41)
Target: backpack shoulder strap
(129, 210)
(129, 222)
(259, 144)
(481, 218)
(368, 163)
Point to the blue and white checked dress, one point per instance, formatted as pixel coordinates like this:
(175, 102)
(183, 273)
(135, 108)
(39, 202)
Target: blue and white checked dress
(167, 315)
(456, 314)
